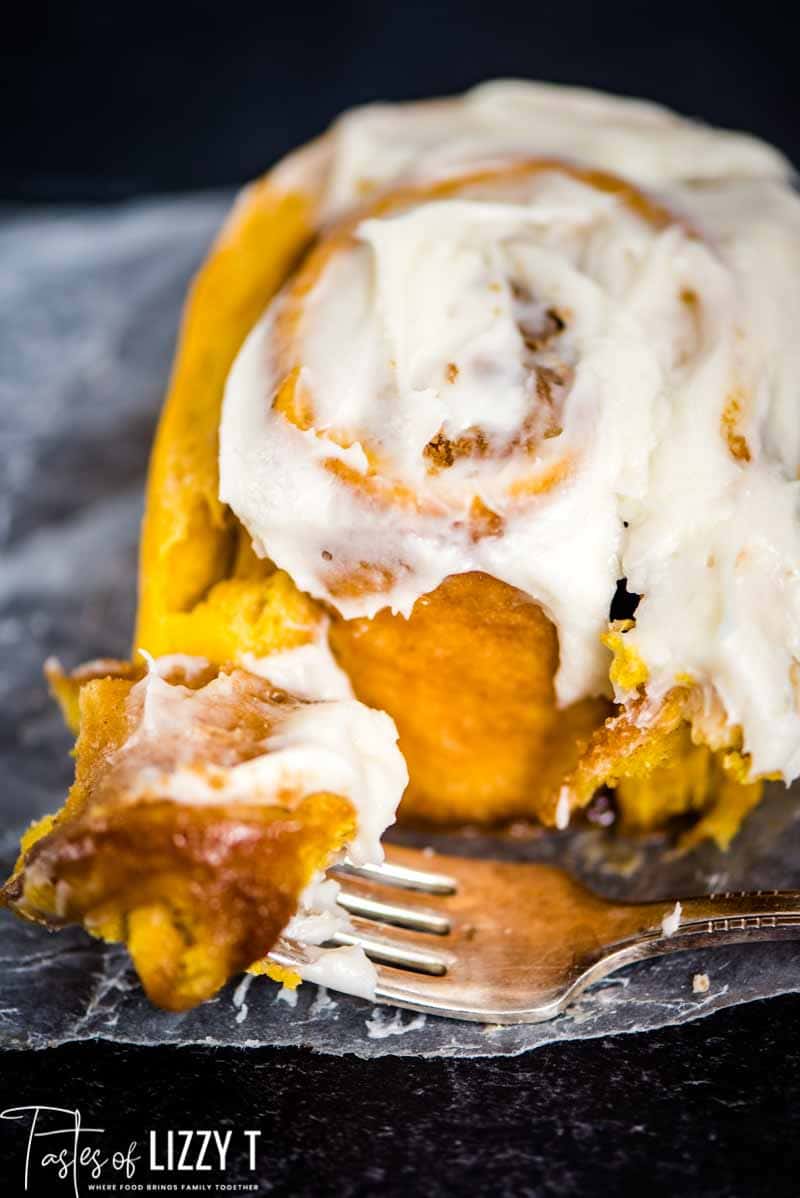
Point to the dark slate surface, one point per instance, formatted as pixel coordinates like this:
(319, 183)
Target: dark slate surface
(706, 1110)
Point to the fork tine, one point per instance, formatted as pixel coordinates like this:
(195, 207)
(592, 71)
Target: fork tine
(401, 949)
(416, 918)
(394, 873)
(416, 991)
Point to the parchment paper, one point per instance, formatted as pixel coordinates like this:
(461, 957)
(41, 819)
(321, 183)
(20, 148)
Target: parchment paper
(89, 305)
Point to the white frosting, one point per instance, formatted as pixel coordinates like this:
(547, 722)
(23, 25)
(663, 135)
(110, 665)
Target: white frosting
(373, 146)
(334, 745)
(318, 917)
(665, 326)
(347, 969)
(562, 809)
(672, 920)
(310, 671)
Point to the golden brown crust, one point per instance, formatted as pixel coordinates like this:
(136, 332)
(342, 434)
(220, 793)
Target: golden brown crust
(201, 588)
(198, 894)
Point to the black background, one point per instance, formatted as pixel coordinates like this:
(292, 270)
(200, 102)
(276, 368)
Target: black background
(105, 101)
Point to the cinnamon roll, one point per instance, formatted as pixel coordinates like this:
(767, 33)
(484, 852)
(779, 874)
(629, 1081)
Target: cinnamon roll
(206, 802)
(455, 378)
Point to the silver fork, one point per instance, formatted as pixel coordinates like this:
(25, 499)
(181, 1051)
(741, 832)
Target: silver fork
(517, 943)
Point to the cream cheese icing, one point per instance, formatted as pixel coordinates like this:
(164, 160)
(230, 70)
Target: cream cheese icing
(371, 147)
(335, 745)
(318, 921)
(671, 364)
(309, 671)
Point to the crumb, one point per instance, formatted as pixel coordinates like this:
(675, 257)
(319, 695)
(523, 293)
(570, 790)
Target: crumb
(700, 983)
(671, 922)
(452, 372)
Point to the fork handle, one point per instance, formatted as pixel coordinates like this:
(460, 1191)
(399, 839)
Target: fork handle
(739, 915)
(742, 904)
(709, 921)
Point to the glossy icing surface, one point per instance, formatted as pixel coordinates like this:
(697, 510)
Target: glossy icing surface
(557, 377)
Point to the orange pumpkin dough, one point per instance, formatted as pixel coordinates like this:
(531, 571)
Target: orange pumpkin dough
(468, 679)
